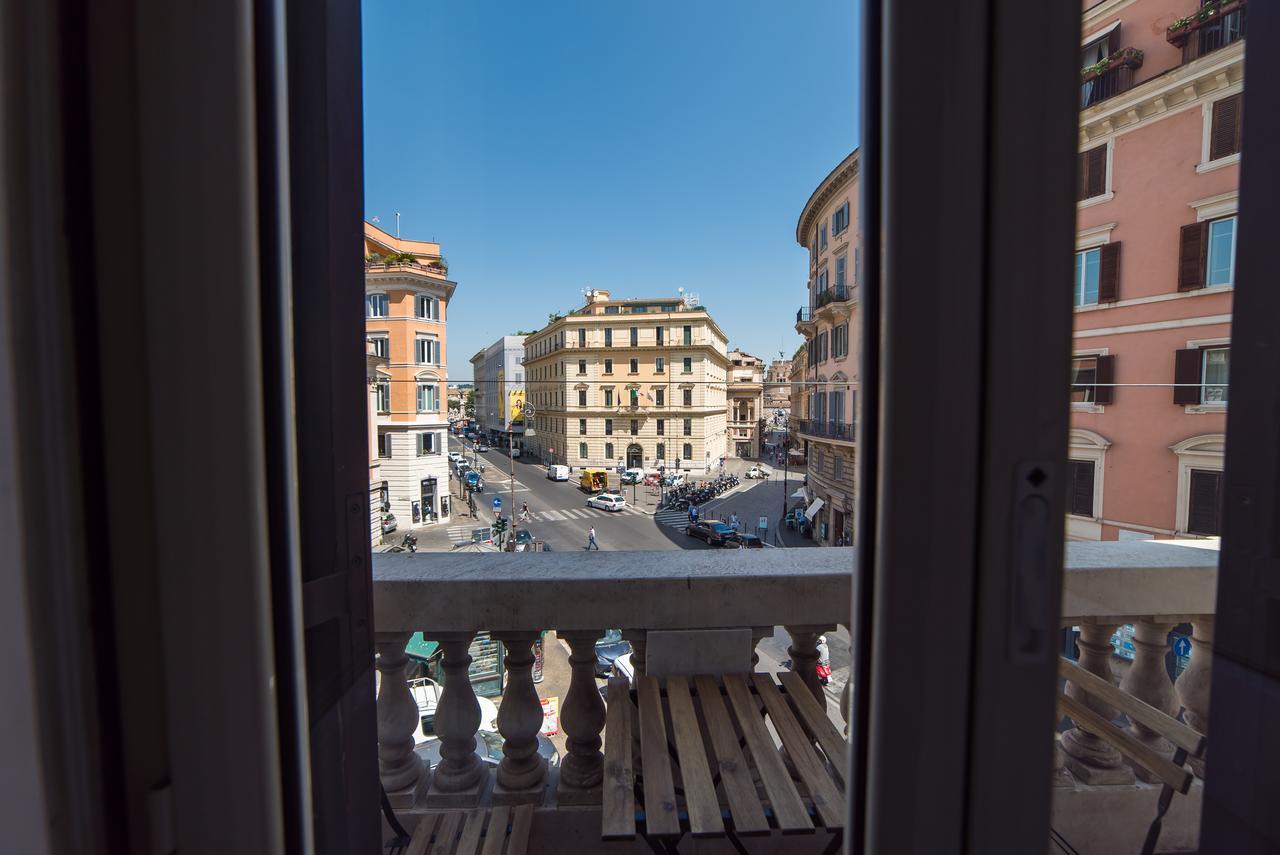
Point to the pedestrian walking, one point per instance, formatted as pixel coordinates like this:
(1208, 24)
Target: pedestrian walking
(733, 521)
(693, 513)
(524, 512)
(591, 539)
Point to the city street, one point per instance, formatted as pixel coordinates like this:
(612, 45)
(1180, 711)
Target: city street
(560, 516)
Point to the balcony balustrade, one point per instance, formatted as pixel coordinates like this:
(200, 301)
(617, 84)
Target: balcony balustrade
(1109, 77)
(828, 428)
(1211, 27)
(1100, 802)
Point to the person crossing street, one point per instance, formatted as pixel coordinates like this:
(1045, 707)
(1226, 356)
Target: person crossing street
(591, 540)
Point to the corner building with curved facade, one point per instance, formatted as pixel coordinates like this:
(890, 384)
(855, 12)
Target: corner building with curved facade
(824, 406)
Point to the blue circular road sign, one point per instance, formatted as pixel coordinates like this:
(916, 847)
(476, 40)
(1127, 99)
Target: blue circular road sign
(1182, 646)
(497, 502)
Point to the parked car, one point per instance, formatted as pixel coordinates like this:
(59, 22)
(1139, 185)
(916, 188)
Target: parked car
(607, 502)
(481, 445)
(455, 456)
(622, 668)
(757, 472)
(482, 535)
(474, 481)
(388, 523)
(524, 537)
(632, 476)
(558, 473)
(514, 451)
(714, 532)
(593, 480)
(749, 541)
(673, 479)
(608, 649)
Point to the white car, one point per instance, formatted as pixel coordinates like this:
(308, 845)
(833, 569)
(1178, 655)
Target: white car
(480, 446)
(607, 502)
(455, 456)
(556, 472)
(757, 472)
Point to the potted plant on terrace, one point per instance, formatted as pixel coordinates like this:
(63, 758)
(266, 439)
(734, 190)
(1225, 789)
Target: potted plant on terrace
(1124, 58)
(1180, 30)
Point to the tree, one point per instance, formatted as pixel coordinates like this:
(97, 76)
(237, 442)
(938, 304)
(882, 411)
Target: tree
(471, 404)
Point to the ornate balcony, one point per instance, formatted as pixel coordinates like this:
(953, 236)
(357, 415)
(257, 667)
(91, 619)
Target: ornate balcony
(826, 429)
(1109, 77)
(1100, 802)
(1209, 28)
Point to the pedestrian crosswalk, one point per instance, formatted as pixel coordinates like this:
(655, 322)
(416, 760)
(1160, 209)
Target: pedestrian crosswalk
(578, 514)
(672, 517)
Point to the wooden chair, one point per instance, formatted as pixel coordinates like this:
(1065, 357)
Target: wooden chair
(709, 766)
(498, 831)
(1171, 771)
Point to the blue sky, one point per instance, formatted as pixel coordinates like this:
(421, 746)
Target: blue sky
(638, 147)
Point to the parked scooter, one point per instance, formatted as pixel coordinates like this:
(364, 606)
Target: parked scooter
(410, 542)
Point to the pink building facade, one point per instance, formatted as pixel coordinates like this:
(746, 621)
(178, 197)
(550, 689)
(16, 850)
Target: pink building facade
(1154, 271)
(824, 404)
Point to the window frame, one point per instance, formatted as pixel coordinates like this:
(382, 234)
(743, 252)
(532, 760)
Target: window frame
(373, 296)
(1234, 219)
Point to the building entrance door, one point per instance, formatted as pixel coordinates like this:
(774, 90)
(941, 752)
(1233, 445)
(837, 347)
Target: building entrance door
(635, 456)
(744, 449)
(428, 498)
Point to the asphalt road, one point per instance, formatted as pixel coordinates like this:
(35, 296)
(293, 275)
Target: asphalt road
(562, 519)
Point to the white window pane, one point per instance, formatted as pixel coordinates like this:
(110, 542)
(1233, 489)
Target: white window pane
(1216, 362)
(1222, 245)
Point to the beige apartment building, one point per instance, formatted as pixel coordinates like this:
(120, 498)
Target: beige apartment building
(777, 386)
(746, 402)
(823, 424)
(407, 292)
(638, 383)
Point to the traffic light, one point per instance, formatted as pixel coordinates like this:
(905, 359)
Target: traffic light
(499, 526)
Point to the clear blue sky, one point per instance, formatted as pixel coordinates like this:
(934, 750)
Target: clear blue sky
(633, 146)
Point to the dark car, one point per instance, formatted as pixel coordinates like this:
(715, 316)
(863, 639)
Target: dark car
(748, 541)
(523, 537)
(609, 648)
(474, 481)
(714, 532)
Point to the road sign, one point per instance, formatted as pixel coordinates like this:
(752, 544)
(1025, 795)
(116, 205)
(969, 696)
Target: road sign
(497, 503)
(1182, 646)
(763, 523)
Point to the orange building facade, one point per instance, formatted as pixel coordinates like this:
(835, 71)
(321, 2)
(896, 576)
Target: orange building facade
(407, 292)
(1159, 175)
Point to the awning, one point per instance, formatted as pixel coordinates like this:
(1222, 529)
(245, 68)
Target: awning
(1093, 37)
(800, 494)
(813, 510)
(419, 649)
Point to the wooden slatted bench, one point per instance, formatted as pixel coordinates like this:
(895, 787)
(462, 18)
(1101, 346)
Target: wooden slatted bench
(709, 766)
(500, 831)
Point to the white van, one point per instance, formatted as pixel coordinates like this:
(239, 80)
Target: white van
(558, 473)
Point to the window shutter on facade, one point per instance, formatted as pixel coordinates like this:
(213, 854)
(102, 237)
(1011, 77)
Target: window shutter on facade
(1224, 135)
(1080, 497)
(1204, 504)
(1186, 376)
(1192, 247)
(1109, 272)
(1092, 167)
(1104, 377)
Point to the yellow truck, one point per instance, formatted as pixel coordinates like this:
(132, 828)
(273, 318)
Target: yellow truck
(594, 480)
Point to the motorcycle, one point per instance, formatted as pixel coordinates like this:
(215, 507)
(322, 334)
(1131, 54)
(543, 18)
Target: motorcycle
(410, 543)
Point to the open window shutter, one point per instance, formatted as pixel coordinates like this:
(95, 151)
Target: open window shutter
(1192, 247)
(1224, 136)
(1092, 167)
(1104, 392)
(1109, 272)
(1186, 376)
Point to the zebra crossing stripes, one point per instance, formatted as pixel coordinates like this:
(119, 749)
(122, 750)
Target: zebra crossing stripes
(672, 518)
(563, 514)
(462, 533)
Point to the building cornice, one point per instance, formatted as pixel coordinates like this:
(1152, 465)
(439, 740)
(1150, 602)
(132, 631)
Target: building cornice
(404, 276)
(1179, 88)
(835, 181)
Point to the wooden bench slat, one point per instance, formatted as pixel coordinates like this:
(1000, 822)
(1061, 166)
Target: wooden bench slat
(422, 834)
(815, 721)
(496, 836)
(445, 833)
(618, 791)
(1184, 737)
(788, 807)
(825, 794)
(520, 825)
(735, 774)
(1124, 742)
(701, 802)
(660, 809)
(469, 843)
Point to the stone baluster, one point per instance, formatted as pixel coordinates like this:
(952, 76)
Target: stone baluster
(1148, 681)
(522, 769)
(1088, 756)
(637, 638)
(1193, 684)
(804, 657)
(398, 765)
(460, 775)
(582, 717)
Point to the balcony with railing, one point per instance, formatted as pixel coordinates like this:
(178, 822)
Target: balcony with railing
(1211, 27)
(673, 610)
(1109, 77)
(825, 428)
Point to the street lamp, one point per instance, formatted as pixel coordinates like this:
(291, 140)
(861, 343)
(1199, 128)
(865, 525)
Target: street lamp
(526, 413)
